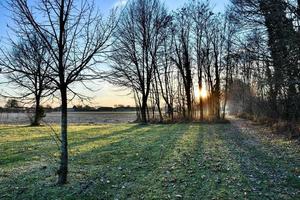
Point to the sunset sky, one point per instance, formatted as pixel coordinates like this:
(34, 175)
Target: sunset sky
(104, 94)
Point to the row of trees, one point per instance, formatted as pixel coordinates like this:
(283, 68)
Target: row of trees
(166, 58)
(247, 57)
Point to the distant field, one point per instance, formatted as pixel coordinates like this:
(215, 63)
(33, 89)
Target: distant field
(130, 161)
(74, 117)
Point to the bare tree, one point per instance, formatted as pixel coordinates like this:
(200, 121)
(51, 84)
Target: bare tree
(182, 56)
(137, 42)
(75, 36)
(201, 14)
(26, 67)
(166, 75)
(229, 33)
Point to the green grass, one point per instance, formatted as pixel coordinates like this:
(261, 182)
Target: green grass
(130, 161)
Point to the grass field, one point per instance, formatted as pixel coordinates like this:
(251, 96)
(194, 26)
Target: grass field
(130, 161)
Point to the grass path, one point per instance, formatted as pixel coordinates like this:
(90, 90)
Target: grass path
(129, 161)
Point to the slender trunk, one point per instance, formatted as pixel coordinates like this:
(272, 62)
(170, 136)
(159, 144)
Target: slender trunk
(63, 169)
(226, 89)
(157, 97)
(161, 119)
(137, 106)
(201, 108)
(292, 103)
(170, 112)
(138, 116)
(188, 89)
(199, 67)
(217, 89)
(225, 103)
(37, 113)
(153, 110)
(144, 111)
(183, 103)
(189, 102)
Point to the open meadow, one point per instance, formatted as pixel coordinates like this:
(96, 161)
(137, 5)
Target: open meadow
(131, 161)
(73, 117)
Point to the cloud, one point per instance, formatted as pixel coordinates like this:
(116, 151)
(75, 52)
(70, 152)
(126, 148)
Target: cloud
(120, 3)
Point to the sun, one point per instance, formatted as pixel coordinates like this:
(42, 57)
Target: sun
(200, 93)
(203, 93)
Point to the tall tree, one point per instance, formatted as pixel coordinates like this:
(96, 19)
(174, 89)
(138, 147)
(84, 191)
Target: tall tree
(75, 36)
(229, 33)
(182, 56)
(166, 75)
(201, 14)
(137, 41)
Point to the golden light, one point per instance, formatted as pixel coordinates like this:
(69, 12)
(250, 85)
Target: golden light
(200, 93)
(197, 93)
(203, 93)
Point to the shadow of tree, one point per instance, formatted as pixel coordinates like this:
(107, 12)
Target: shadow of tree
(192, 161)
(126, 164)
(266, 165)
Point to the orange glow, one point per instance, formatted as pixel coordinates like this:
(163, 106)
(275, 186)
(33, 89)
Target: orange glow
(203, 93)
(200, 93)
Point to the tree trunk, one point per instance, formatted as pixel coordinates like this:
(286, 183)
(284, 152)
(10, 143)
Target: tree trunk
(161, 119)
(217, 92)
(63, 169)
(37, 112)
(226, 88)
(157, 98)
(201, 108)
(188, 89)
(144, 111)
(199, 69)
(292, 103)
(189, 102)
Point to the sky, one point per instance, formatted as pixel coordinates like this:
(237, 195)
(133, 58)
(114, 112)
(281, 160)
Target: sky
(104, 94)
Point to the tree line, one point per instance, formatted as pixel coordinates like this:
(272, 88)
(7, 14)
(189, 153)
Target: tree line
(247, 59)
(167, 58)
(188, 64)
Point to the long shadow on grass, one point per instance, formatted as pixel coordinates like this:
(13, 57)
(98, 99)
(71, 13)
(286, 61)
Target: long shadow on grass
(137, 153)
(177, 172)
(164, 163)
(123, 166)
(126, 142)
(210, 173)
(158, 162)
(266, 173)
